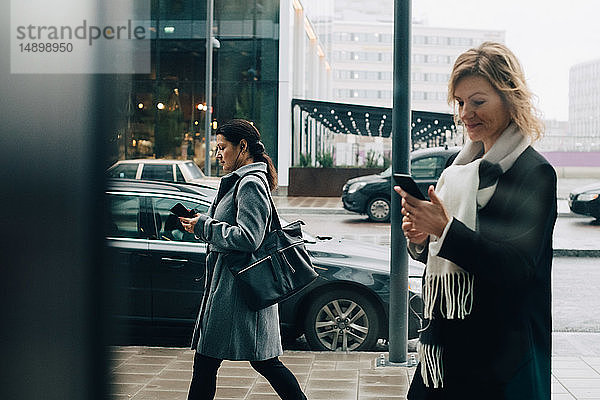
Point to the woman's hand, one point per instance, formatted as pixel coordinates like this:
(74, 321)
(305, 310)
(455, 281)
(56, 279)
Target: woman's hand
(189, 223)
(422, 218)
(411, 234)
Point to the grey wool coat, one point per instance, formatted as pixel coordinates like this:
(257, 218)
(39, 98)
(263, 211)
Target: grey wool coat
(226, 328)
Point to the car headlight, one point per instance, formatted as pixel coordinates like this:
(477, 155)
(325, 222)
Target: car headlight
(356, 186)
(415, 285)
(587, 196)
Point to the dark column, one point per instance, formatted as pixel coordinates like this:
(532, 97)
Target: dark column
(52, 283)
(400, 163)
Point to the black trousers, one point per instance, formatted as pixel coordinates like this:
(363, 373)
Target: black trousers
(204, 378)
(464, 390)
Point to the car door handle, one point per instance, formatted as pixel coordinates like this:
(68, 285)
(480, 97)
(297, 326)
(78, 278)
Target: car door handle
(178, 261)
(138, 257)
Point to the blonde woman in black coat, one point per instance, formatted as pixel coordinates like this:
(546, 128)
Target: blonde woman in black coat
(486, 239)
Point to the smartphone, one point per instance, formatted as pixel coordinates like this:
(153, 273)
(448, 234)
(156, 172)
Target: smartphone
(182, 211)
(408, 184)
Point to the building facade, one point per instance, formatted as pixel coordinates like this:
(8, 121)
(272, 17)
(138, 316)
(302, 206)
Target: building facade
(584, 100)
(362, 62)
(164, 111)
(265, 53)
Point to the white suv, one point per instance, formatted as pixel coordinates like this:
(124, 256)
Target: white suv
(161, 170)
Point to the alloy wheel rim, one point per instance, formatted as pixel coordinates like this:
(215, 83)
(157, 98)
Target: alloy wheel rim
(380, 209)
(341, 325)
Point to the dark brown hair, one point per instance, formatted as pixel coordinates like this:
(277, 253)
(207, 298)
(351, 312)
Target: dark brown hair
(236, 130)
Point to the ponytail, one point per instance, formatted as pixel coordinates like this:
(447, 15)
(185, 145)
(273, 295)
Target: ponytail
(271, 171)
(236, 130)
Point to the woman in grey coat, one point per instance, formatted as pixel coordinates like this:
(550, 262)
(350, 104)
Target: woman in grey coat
(226, 328)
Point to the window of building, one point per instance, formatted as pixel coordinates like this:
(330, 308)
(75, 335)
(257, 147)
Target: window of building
(431, 59)
(418, 95)
(432, 40)
(418, 39)
(418, 58)
(245, 78)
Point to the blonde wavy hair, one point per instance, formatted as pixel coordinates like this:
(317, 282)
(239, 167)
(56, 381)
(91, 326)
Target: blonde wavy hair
(495, 62)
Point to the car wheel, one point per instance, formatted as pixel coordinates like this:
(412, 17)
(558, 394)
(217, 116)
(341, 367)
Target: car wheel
(379, 209)
(341, 320)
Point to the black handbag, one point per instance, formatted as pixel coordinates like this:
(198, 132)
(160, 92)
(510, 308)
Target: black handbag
(279, 268)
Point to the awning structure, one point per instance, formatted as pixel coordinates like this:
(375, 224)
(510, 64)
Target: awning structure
(313, 121)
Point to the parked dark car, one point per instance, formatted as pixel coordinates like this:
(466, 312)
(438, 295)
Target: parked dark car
(370, 194)
(159, 275)
(586, 200)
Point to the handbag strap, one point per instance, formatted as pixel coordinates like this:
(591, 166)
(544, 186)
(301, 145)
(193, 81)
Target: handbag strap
(275, 223)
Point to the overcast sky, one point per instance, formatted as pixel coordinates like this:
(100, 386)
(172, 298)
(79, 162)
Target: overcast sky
(548, 37)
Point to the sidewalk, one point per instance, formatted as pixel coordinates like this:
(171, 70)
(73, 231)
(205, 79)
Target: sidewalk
(152, 373)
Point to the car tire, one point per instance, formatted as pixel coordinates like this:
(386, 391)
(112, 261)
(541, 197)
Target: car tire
(342, 320)
(379, 209)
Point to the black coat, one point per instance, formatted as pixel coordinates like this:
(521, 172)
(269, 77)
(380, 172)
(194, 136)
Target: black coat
(502, 350)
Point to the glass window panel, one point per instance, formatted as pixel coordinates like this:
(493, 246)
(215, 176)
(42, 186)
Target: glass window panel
(126, 171)
(179, 174)
(168, 223)
(247, 11)
(194, 170)
(158, 172)
(123, 216)
(426, 167)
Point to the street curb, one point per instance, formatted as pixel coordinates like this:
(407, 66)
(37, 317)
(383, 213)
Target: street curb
(314, 210)
(341, 211)
(575, 253)
(572, 215)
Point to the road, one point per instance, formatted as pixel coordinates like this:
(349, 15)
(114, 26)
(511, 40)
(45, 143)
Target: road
(575, 300)
(575, 280)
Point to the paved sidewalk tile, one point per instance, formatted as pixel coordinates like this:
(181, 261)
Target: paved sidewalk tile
(148, 373)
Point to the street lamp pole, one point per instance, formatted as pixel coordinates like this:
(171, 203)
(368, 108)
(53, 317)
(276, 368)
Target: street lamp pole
(400, 163)
(208, 90)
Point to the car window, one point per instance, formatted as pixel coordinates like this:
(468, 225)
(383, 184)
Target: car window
(123, 218)
(158, 172)
(178, 174)
(127, 171)
(427, 168)
(168, 223)
(193, 169)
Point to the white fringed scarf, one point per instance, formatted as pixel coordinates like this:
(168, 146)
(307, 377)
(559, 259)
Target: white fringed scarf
(464, 187)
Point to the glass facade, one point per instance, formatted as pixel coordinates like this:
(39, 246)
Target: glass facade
(162, 114)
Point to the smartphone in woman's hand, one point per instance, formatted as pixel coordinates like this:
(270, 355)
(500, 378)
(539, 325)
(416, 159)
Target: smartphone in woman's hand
(182, 211)
(408, 184)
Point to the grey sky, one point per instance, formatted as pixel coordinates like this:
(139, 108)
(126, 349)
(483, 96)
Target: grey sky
(548, 36)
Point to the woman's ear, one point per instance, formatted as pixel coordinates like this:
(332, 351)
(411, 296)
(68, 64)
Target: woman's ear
(243, 145)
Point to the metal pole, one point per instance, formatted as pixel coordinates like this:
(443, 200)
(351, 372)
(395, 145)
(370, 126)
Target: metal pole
(208, 90)
(400, 163)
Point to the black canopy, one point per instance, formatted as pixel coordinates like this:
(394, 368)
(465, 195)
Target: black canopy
(353, 119)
